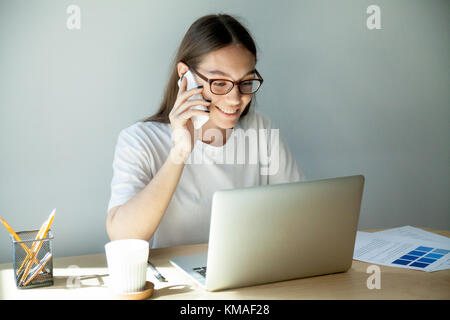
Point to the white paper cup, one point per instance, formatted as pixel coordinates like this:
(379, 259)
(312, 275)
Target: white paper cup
(127, 264)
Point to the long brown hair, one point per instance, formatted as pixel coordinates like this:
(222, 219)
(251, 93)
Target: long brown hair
(206, 34)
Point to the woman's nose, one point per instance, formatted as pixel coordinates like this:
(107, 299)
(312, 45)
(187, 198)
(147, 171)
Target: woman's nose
(234, 96)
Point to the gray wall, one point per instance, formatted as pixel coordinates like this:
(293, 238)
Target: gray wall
(348, 100)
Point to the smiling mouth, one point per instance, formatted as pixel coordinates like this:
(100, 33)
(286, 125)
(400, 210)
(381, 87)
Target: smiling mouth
(228, 112)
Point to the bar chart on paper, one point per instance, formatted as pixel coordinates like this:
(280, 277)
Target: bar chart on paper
(421, 257)
(404, 247)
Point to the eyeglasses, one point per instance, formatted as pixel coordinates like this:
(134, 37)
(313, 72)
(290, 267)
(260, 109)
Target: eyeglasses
(224, 86)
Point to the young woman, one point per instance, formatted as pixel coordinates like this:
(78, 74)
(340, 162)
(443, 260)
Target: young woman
(166, 171)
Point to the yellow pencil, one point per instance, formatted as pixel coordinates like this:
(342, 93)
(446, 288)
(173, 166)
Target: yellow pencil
(29, 254)
(14, 234)
(37, 246)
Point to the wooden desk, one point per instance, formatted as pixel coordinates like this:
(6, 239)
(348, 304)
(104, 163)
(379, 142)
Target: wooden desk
(396, 283)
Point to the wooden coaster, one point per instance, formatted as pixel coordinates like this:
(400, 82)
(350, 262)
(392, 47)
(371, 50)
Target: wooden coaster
(141, 295)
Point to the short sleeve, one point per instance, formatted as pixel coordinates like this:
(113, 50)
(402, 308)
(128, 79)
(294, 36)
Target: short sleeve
(131, 168)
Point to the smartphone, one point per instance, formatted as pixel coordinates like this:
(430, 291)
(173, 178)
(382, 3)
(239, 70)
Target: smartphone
(197, 121)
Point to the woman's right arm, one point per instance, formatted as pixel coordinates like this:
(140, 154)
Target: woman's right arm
(140, 216)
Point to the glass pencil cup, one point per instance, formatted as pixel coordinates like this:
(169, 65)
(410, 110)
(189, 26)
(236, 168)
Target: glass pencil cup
(32, 260)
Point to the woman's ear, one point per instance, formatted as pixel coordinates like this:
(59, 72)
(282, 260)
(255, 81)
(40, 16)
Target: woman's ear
(182, 68)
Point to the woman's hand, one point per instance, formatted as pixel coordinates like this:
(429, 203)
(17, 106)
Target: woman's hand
(179, 116)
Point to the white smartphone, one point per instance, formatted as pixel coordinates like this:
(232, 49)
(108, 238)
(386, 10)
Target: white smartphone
(197, 121)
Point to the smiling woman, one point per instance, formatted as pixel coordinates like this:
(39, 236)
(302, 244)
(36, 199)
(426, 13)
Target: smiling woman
(157, 197)
(203, 39)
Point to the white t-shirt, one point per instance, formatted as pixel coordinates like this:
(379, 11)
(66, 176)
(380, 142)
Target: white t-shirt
(245, 160)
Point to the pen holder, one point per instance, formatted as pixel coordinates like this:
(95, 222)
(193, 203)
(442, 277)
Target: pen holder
(32, 260)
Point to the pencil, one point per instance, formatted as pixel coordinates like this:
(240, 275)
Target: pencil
(14, 234)
(29, 254)
(37, 245)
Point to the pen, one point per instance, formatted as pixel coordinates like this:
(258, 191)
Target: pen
(36, 270)
(156, 273)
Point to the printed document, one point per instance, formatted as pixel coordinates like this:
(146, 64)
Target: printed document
(404, 247)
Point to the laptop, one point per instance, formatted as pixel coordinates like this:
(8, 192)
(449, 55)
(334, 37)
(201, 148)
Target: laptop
(278, 232)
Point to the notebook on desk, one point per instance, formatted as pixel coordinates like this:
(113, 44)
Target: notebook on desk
(278, 232)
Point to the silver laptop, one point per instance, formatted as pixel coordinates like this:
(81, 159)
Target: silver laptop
(278, 232)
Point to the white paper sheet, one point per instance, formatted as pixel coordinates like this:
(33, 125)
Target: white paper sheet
(414, 233)
(405, 247)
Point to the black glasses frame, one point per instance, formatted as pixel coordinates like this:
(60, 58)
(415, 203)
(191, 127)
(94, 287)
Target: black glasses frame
(259, 79)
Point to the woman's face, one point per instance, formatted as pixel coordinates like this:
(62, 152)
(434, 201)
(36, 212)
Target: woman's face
(232, 63)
